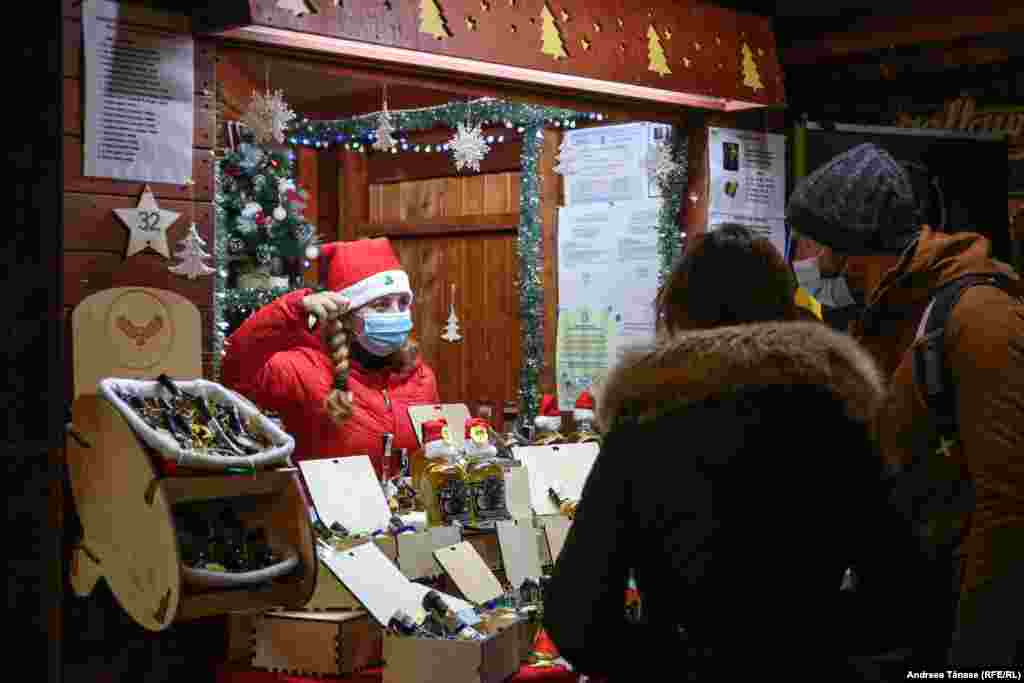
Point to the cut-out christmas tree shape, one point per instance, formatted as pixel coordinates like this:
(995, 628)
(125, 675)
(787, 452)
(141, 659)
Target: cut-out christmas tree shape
(299, 7)
(751, 77)
(656, 53)
(193, 256)
(432, 20)
(552, 41)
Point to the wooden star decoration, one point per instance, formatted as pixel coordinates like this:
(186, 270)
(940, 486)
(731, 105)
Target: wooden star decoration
(148, 224)
(470, 24)
(584, 43)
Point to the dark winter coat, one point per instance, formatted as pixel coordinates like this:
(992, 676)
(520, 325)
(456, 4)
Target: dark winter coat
(738, 481)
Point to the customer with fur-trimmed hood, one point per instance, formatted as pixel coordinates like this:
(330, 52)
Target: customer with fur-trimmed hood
(863, 202)
(737, 482)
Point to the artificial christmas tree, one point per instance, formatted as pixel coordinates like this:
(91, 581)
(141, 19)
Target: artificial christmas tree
(551, 40)
(656, 53)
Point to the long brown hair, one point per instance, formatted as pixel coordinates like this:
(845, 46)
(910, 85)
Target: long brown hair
(338, 403)
(726, 277)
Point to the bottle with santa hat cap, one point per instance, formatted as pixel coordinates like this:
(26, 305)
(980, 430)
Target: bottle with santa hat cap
(583, 414)
(485, 476)
(548, 423)
(442, 484)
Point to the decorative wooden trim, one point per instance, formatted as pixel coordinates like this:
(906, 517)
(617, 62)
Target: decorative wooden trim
(458, 67)
(502, 222)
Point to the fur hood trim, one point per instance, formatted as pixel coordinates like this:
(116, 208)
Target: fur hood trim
(694, 366)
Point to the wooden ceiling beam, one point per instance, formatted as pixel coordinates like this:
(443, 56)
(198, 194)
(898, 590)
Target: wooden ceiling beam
(935, 23)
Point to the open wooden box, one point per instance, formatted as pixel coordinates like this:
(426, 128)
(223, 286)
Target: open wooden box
(126, 508)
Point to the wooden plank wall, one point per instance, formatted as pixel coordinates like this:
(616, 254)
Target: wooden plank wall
(94, 239)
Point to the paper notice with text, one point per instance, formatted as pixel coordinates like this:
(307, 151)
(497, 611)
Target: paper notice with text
(748, 182)
(607, 281)
(139, 99)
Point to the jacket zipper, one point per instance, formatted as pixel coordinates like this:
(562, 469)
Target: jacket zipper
(387, 399)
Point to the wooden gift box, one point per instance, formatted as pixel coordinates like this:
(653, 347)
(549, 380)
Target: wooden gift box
(333, 643)
(126, 507)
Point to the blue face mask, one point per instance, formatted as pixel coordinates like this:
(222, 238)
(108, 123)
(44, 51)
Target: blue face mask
(385, 333)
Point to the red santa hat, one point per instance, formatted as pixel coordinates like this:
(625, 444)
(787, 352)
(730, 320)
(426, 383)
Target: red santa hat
(549, 419)
(437, 440)
(363, 270)
(478, 438)
(584, 409)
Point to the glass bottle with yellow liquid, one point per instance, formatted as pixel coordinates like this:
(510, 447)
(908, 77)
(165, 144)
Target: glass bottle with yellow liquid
(440, 476)
(548, 423)
(583, 415)
(485, 476)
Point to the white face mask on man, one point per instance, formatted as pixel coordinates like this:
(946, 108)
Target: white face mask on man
(833, 292)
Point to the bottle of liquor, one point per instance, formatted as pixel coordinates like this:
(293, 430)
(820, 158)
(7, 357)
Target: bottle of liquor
(442, 483)
(548, 423)
(485, 476)
(583, 414)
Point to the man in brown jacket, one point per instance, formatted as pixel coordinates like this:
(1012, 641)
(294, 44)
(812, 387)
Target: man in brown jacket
(863, 202)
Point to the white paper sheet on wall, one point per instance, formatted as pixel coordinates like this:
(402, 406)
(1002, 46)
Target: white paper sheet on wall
(378, 584)
(346, 490)
(564, 467)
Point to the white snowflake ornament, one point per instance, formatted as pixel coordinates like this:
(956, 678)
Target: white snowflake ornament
(385, 141)
(267, 117)
(469, 147)
(193, 256)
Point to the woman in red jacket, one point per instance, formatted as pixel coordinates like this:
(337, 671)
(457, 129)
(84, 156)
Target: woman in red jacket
(338, 366)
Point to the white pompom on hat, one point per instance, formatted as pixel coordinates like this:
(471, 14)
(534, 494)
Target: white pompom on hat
(550, 419)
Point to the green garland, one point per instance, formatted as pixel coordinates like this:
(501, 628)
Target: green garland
(531, 289)
(673, 187)
(358, 133)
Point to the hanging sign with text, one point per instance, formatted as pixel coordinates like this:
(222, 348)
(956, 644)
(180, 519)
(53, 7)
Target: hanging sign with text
(139, 99)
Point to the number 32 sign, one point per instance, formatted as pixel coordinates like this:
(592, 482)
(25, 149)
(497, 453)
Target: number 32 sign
(148, 224)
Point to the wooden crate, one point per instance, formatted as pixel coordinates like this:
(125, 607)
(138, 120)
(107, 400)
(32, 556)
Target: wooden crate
(316, 643)
(427, 660)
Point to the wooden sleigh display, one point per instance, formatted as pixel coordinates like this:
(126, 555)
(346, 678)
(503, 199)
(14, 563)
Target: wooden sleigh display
(125, 505)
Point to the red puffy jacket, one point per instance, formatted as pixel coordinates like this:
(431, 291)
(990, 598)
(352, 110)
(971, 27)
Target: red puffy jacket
(275, 361)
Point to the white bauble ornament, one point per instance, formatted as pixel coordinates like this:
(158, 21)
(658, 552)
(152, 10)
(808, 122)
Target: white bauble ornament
(312, 253)
(251, 209)
(280, 214)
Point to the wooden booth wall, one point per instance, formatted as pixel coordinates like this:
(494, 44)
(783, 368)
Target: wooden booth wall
(100, 642)
(95, 240)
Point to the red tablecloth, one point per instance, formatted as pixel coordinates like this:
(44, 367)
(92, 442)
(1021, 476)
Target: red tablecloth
(526, 674)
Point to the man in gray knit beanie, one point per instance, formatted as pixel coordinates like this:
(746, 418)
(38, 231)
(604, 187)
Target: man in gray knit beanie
(861, 202)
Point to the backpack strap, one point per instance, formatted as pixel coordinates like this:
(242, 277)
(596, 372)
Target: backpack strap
(930, 371)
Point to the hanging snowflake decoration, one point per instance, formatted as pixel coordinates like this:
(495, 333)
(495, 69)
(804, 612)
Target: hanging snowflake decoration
(660, 162)
(567, 155)
(469, 147)
(267, 117)
(385, 141)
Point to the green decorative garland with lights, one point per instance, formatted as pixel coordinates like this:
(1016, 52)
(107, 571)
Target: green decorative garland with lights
(673, 188)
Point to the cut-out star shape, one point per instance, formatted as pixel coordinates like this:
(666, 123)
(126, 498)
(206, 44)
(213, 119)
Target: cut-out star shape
(686, 62)
(668, 34)
(470, 24)
(584, 43)
(696, 46)
(485, 6)
(597, 27)
(565, 16)
(148, 224)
